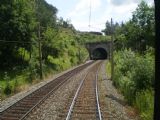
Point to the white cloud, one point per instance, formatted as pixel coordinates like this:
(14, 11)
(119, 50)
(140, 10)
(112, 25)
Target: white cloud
(82, 25)
(80, 13)
(118, 13)
(125, 2)
(102, 10)
(82, 7)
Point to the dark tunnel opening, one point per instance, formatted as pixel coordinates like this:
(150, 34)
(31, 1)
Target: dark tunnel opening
(99, 54)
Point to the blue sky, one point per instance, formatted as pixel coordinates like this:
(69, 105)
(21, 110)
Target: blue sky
(101, 10)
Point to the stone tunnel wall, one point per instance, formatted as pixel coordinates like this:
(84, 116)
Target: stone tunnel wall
(92, 46)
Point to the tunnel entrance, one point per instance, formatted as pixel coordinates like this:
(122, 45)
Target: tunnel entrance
(99, 50)
(99, 54)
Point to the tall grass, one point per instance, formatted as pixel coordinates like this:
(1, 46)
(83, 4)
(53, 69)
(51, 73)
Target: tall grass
(11, 85)
(18, 79)
(108, 69)
(145, 103)
(134, 77)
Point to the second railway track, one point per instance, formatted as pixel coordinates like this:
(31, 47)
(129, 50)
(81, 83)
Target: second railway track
(85, 104)
(23, 107)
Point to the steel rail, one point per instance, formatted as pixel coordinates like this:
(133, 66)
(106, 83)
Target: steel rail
(70, 74)
(31, 93)
(74, 99)
(44, 98)
(76, 95)
(97, 97)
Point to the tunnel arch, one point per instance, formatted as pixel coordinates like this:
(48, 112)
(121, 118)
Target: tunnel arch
(99, 54)
(102, 48)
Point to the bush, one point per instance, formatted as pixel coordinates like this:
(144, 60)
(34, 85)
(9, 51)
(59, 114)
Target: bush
(8, 88)
(108, 69)
(134, 77)
(128, 89)
(125, 62)
(138, 69)
(143, 74)
(145, 104)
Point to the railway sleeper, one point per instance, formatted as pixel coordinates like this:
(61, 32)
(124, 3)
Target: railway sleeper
(84, 112)
(19, 108)
(83, 117)
(13, 115)
(23, 106)
(17, 111)
(8, 118)
(33, 98)
(86, 108)
(28, 103)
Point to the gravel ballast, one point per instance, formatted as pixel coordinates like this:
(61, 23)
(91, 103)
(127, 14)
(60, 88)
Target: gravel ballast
(113, 105)
(54, 108)
(13, 99)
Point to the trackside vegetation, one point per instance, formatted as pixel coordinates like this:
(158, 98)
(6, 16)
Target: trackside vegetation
(134, 76)
(23, 24)
(134, 72)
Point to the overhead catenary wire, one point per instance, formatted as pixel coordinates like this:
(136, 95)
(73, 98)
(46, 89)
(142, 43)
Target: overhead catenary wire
(96, 28)
(90, 7)
(9, 41)
(90, 16)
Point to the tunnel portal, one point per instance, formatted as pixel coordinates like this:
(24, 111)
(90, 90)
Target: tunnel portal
(99, 50)
(99, 54)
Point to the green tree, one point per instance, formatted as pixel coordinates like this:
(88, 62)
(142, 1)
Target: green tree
(45, 14)
(108, 28)
(137, 33)
(17, 23)
(143, 17)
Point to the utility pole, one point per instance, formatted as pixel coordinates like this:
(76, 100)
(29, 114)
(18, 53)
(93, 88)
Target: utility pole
(112, 50)
(79, 54)
(90, 14)
(40, 52)
(79, 44)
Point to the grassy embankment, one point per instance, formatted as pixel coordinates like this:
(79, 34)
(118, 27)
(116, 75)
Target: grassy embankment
(134, 78)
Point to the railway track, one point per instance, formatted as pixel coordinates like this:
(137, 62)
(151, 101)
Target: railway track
(23, 107)
(85, 104)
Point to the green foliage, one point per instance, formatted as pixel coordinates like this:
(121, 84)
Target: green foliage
(134, 61)
(134, 72)
(144, 73)
(109, 30)
(108, 69)
(122, 41)
(17, 24)
(140, 69)
(12, 81)
(59, 63)
(145, 103)
(45, 13)
(134, 76)
(143, 16)
(23, 54)
(7, 89)
(62, 46)
(65, 24)
(89, 37)
(139, 32)
(125, 60)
